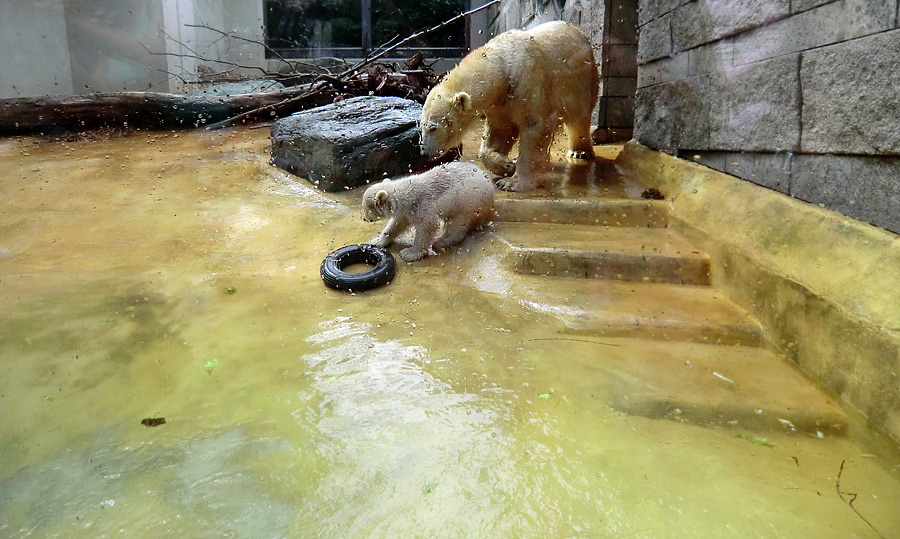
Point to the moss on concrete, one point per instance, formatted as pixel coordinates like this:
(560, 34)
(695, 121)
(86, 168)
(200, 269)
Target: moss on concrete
(824, 286)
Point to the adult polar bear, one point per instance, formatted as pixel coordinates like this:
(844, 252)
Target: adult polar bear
(522, 83)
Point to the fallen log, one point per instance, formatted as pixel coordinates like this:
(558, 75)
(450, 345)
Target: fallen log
(57, 115)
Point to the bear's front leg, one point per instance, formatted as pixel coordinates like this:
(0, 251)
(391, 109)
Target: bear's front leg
(496, 142)
(395, 226)
(496, 163)
(425, 232)
(534, 156)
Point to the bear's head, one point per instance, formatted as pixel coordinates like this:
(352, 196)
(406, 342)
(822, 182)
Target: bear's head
(375, 202)
(445, 117)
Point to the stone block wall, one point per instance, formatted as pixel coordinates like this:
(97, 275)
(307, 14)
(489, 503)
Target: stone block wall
(612, 27)
(800, 96)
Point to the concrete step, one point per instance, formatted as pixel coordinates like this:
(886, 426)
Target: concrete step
(652, 255)
(614, 212)
(654, 311)
(750, 389)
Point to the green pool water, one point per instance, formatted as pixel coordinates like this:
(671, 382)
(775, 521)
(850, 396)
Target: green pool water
(177, 276)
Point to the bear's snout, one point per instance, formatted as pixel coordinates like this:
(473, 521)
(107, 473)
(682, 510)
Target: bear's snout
(430, 147)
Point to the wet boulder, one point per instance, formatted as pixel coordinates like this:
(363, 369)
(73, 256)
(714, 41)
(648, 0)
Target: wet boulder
(349, 143)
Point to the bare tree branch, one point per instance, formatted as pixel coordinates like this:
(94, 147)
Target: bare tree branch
(291, 63)
(416, 35)
(213, 60)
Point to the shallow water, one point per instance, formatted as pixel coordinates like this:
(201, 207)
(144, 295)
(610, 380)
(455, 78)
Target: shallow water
(177, 276)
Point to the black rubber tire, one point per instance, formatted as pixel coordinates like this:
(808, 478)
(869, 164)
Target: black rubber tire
(381, 273)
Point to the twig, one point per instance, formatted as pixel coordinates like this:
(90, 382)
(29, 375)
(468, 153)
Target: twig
(273, 52)
(837, 487)
(343, 75)
(228, 122)
(201, 58)
(174, 75)
(417, 35)
(573, 340)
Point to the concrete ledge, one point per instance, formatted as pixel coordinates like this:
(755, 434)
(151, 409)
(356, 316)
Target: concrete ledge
(824, 286)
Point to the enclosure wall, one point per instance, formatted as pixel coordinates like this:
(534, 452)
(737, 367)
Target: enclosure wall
(798, 96)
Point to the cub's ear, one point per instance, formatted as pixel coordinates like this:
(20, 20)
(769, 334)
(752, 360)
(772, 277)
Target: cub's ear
(462, 101)
(381, 197)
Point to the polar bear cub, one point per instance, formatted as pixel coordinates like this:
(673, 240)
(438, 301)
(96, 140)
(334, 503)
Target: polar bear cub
(458, 195)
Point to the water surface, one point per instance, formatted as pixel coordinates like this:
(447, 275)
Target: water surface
(177, 276)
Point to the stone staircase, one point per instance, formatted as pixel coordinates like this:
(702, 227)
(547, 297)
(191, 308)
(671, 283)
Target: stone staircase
(609, 270)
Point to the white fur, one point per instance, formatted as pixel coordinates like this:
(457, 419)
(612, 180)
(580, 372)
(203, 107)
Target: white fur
(458, 195)
(522, 83)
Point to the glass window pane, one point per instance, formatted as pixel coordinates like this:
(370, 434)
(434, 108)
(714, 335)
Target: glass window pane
(313, 24)
(395, 18)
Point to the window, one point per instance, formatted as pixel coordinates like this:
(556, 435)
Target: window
(353, 28)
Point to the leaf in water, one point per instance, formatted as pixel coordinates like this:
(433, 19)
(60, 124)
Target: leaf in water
(429, 488)
(544, 396)
(210, 366)
(758, 441)
(153, 421)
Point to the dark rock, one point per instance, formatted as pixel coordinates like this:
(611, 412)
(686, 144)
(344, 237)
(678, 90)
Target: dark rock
(349, 143)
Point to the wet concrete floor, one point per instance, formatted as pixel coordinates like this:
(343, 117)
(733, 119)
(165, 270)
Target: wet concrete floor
(177, 276)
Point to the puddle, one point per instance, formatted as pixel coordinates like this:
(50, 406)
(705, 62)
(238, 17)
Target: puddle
(178, 277)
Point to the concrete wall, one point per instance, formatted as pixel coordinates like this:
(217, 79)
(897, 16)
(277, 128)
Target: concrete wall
(822, 285)
(798, 96)
(611, 25)
(31, 31)
(55, 47)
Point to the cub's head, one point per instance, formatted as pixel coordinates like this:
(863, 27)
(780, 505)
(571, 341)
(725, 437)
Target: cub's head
(375, 202)
(445, 117)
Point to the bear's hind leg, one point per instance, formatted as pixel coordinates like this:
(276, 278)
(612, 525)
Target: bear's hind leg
(496, 142)
(455, 231)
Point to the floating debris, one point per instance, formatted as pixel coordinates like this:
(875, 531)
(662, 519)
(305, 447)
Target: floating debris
(210, 366)
(721, 377)
(758, 441)
(153, 421)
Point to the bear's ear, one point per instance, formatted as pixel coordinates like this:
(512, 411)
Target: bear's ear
(381, 197)
(462, 101)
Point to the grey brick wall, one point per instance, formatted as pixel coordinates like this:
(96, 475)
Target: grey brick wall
(801, 96)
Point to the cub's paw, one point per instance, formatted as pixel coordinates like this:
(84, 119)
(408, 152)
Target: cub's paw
(580, 157)
(381, 240)
(411, 255)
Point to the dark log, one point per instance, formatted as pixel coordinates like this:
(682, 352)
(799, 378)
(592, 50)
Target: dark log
(57, 115)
